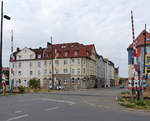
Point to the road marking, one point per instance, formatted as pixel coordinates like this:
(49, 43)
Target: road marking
(53, 108)
(18, 111)
(59, 101)
(18, 117)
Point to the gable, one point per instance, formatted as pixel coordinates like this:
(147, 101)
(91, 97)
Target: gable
(25, 53)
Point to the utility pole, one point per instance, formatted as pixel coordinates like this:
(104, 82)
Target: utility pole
(1, 43)
(11, 67)
(52, 63)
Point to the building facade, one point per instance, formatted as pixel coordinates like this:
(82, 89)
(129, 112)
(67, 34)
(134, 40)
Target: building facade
(140, 59)
(106, 74)
(72, 64)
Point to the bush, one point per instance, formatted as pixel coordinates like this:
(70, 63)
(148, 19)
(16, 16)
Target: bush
(140, 103)
(126, 92)
(21, 89)
(127, 105)
(34, 83)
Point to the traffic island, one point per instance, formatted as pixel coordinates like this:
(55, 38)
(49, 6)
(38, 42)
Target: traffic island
(125, 99)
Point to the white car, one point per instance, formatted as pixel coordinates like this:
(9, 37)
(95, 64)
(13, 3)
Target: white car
(60, 87)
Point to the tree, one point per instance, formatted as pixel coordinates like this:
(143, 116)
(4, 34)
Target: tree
(34, 83)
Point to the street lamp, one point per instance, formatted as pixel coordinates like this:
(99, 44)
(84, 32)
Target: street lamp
(1, 37)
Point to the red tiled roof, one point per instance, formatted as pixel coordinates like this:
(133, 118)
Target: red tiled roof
(60, 50)
(140, 39)
(70, 48)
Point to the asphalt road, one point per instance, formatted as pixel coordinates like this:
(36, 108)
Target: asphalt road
(79, 105)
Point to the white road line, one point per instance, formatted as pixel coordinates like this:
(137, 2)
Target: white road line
(59, 101)
(18, 111)
(53, 108)
(18, 117)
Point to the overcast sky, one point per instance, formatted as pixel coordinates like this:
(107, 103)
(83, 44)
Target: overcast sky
(105, 23)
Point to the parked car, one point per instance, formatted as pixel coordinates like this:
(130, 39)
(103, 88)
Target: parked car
(60, 87)
(122, 86)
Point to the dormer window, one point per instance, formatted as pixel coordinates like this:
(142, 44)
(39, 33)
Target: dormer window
(49, 54)
(66, 54)
(39, 56)
(87, 53)
(75, 53)
(57, 54)
(63, 46)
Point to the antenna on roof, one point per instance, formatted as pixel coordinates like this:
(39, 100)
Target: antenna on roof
(11, 41)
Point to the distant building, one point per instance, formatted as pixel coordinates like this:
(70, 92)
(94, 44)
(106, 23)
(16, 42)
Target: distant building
(106, 73)
(75, 65)
(140, 59)
(116, 76)
(100, 72)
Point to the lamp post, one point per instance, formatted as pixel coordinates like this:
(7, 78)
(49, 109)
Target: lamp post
(1, 37)
(52, 63)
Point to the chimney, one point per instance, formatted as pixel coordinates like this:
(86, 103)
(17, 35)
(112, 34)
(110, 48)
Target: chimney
(18, 49)
(48, 44)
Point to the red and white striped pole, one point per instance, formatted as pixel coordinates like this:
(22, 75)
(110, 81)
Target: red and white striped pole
(135, 78)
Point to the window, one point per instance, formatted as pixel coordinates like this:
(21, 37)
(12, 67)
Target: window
(19, 73)
(25, 51)
(31, 64)
(45, 71)
(13, 65)
(65, 62)
(56, 62)
(19, 64)
(50, 71)
(50, 63)
(83, 70)
(148, 69)
(73, 60)
(39, 56)
(84, 61)
(72, 80)
(19, 56)
(39, 64)
(49, 54)
(19, 81)
(65, 70)
(78, 71)
(66, 54)
(87, 53)
(57, 54)
(45, 63)
(39, 73)
(56, 70)
(31, 56)
(148, 59)
(31, 73)
(148, 39)
(63, 46)
(76, 53)
(78, 61)
(72, 71)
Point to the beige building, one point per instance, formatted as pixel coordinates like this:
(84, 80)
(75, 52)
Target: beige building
(74, 65)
